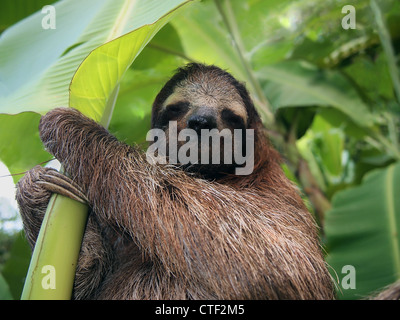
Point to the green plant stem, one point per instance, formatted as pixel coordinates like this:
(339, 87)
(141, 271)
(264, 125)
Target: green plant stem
(64, 219)
(60, 239)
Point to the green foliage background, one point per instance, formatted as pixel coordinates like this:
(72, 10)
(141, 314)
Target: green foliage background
(329, 97)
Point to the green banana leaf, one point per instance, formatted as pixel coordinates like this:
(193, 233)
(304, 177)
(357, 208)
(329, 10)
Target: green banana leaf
(37, 65)
(362, 231)
(299, 83)
(5, 293)
(14, 270)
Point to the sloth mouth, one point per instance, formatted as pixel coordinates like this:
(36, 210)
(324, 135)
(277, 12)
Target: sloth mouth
(208, 171)
(211, 153)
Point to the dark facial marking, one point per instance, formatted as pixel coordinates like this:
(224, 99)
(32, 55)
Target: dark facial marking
(173, 112)
(232, 119)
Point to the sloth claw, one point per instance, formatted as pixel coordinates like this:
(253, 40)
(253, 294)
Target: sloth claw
(56, 182)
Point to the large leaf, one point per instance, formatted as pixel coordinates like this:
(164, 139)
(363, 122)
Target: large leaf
(362, 231)
(204, 37)
(5, 293)
(140, 84)
(298, 83)
(220, 41)
(13, 11)
(35, 69)
(95, 81)
(21, 148)
(37, 65)
(17, 264)
(81, 26)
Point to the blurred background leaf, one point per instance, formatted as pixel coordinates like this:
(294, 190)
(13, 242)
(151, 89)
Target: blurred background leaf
(362, 231)
(13, 11)
(14, 270)
(5, 293)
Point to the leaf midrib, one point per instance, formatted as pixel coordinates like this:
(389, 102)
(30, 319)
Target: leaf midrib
(121, 20)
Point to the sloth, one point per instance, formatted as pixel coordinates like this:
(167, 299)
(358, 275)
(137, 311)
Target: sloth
(180, 231)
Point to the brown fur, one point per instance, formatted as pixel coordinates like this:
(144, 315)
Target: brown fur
(390, 292)
(157, 232)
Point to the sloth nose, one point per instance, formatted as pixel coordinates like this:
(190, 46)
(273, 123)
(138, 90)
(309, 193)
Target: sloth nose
(198, 122)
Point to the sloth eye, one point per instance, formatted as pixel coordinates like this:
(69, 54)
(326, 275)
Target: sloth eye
(232, 119)
(172, 112)
(177, 108)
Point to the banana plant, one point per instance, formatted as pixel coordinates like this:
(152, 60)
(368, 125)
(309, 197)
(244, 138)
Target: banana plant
(102, 38)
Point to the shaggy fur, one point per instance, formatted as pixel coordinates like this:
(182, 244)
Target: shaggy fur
(390, 292)
(158, 232)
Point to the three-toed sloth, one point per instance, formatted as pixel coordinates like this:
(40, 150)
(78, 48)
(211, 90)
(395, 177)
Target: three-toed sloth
(181, 231)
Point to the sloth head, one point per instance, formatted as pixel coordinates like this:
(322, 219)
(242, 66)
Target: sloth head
(205, 99)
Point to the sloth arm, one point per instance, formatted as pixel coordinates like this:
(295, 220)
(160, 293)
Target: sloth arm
(204, 233)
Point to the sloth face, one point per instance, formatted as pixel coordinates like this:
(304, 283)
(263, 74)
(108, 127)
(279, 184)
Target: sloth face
(207, 101)
(196, 107)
